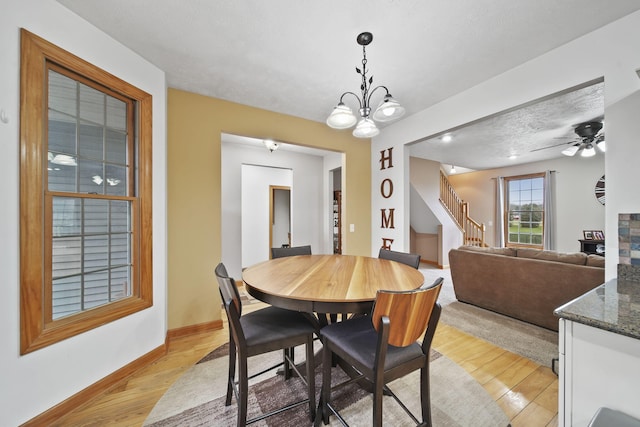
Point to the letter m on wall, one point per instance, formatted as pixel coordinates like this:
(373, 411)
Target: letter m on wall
(387, 218)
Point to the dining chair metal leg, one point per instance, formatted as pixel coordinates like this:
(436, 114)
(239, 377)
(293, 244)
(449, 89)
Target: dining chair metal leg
(377, 403)
(311, 378)
(286, 369)
(232, 372)
(325, 395)
(425, 396)
(243, 391)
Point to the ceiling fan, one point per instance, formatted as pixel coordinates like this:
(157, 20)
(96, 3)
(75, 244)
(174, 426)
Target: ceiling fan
(590, 136)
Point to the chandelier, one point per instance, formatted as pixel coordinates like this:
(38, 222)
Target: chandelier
(389, 109)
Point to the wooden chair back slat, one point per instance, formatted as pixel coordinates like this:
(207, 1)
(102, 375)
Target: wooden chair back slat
(408, 312)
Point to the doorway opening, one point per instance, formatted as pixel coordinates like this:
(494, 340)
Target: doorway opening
(336, 229)
(279, 216)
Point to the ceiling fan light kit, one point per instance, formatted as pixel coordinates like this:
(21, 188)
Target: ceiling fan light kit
(571, 151)
(389, 109)
(589, 134)
(588, 151)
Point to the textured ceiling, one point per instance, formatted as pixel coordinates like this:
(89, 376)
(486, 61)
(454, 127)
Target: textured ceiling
(534, 132)
(296, 57)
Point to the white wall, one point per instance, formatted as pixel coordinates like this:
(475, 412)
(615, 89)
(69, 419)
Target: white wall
(397, 172)
(254, 192)
(422, 218)
(618, 47)
(425, 178)
(33, 383)
(310, 200)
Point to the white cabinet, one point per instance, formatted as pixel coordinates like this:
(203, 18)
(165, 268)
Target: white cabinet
(597, 368)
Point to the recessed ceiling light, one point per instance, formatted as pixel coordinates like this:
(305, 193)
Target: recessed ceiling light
(447, 137)
(513, 157)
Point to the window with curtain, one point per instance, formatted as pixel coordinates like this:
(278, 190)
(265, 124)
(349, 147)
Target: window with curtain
(85, 196)
(524, 211)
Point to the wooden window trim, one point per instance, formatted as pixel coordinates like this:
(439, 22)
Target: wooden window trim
(505, 220)
(35, 330)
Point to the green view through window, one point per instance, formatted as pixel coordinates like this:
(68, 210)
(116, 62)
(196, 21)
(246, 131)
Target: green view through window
(525, 210)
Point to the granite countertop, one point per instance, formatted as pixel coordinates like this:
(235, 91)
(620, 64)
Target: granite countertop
(613, 306)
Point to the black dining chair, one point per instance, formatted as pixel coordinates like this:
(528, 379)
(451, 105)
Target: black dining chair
(383, 347)
(410, 259)
(262, 331)
(290, 251)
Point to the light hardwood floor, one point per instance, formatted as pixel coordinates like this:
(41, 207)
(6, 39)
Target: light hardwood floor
(526, 391)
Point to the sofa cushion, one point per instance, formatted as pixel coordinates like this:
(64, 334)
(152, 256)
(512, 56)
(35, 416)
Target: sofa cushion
(489, 250)
(577, 258)
(595, 260)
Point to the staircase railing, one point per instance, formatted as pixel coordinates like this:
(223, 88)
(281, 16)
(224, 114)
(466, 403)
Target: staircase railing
(473, 231)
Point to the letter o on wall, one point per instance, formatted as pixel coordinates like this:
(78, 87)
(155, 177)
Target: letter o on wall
(386, 188)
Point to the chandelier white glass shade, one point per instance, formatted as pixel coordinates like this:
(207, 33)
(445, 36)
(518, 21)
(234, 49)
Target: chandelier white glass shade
(342, 117)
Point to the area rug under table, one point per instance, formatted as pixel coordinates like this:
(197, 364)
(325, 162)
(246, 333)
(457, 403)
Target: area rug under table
(197, 398)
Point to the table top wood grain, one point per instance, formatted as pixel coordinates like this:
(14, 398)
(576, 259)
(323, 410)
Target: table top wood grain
(327, 283)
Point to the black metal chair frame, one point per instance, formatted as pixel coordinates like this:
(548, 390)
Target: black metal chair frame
(377, 374)
(301, 331)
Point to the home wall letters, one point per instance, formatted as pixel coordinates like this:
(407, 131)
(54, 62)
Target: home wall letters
(386, 191)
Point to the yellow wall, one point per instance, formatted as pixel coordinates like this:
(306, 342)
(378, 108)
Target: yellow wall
(195, 123)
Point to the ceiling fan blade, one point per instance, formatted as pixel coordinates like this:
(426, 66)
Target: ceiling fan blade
(552, 146)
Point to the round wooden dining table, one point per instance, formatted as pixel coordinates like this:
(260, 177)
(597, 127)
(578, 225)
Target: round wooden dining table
(327, 283)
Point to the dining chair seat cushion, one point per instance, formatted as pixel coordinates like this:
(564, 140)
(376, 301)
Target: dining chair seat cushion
(273, 326)
(358, 339)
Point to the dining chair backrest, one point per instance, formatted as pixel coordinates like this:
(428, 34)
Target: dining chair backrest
(290, 251)
(409, 312)
(410, 259)
(228, 288)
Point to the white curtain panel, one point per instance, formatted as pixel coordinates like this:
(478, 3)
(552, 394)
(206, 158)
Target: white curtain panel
(549, 211)
(499, 230)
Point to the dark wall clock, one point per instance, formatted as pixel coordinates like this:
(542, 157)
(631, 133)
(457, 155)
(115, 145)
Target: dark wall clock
(599, 190)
